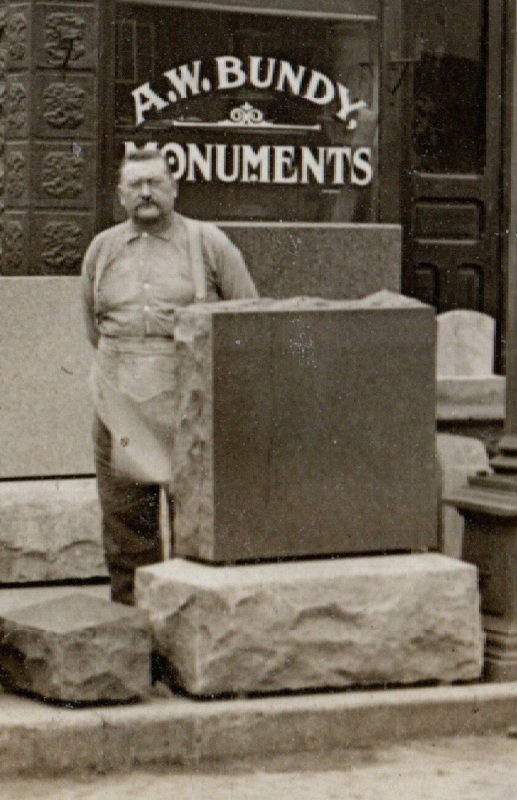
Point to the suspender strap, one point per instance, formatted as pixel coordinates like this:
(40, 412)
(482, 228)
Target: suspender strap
(196, 256)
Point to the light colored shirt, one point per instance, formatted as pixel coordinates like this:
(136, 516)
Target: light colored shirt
(133, 281)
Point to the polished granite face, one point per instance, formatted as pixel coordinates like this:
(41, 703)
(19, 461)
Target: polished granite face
(304, 428)
(338, 261)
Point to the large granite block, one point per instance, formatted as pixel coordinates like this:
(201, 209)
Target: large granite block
(314, 624)
(333, 260)
(304, 427)
(76, 649)
(49, 531)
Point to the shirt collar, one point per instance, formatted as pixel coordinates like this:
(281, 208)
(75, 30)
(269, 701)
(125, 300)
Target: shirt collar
(135, 231)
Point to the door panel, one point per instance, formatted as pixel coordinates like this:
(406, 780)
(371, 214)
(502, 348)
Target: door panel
(451, 185)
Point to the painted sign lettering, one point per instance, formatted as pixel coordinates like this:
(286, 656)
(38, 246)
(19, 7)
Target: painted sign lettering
(265, 163)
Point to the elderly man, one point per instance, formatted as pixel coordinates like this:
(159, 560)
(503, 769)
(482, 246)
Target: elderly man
(134, 276)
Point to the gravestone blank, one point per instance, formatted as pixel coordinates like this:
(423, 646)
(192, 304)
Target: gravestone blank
(304, 427)
(465, 344)
(76, 649)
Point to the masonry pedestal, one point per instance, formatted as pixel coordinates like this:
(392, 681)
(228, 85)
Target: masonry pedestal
(489, 506)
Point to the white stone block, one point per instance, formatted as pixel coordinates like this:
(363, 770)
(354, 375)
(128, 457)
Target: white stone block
(458, 457)
(50, 530)
(314, 624)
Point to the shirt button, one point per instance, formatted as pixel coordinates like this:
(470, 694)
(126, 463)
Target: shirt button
(146, 309)
(147, 286)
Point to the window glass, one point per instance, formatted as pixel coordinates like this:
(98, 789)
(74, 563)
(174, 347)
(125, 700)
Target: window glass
(449, 89)
(262, 117)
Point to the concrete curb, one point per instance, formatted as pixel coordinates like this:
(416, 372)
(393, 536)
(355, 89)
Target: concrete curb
(36, 738)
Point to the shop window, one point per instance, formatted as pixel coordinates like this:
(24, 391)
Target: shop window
(262, 117)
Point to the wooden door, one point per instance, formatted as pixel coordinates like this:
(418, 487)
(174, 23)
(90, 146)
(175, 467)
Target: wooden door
(451, 181)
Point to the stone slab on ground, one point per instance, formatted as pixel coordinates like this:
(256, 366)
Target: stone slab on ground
(327, 623)
(300, 423)
(77, 649)
(50, 530)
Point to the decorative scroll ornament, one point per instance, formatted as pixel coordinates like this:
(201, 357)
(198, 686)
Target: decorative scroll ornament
(244, 116)
(61, 246)
(64, 105)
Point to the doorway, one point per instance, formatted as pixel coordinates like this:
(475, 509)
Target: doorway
(451, 180)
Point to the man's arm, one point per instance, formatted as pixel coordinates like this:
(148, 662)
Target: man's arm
(233, 280)
(88, 279)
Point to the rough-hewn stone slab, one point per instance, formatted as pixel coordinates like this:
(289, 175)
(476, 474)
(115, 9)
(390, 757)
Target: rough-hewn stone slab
(304, 427)
(313, 624)
(76, 649)
(50, 530)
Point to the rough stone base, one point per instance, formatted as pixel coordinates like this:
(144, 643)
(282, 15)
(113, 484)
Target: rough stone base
(76, 649)
(50, 530)
(314, 624)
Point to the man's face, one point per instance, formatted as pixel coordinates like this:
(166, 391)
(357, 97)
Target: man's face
(147, 191)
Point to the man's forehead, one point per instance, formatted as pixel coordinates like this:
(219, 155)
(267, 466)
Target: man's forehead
(151, 168)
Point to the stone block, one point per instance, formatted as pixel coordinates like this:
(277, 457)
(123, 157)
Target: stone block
(304, 427)
(76, 649)
(328, 623)
(49, 531)
(332, 260)
(465, 343)
(45, 425)
(458, 458)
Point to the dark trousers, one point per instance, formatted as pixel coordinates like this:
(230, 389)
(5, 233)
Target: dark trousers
(130, 520)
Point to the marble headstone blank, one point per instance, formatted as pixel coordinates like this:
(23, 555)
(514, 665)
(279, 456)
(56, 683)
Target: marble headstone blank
(304, 427)
(465, 344)
(76, 649)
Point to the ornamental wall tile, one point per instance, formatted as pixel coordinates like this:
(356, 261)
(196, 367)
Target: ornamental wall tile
(16, 175)
(59, 242)
(64, 175)
(68, 36)
(64, 107)
(18, 36)
(17, 106)
(14, 239)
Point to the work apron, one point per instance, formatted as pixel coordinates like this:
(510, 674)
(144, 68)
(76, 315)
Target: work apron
(133, 385)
